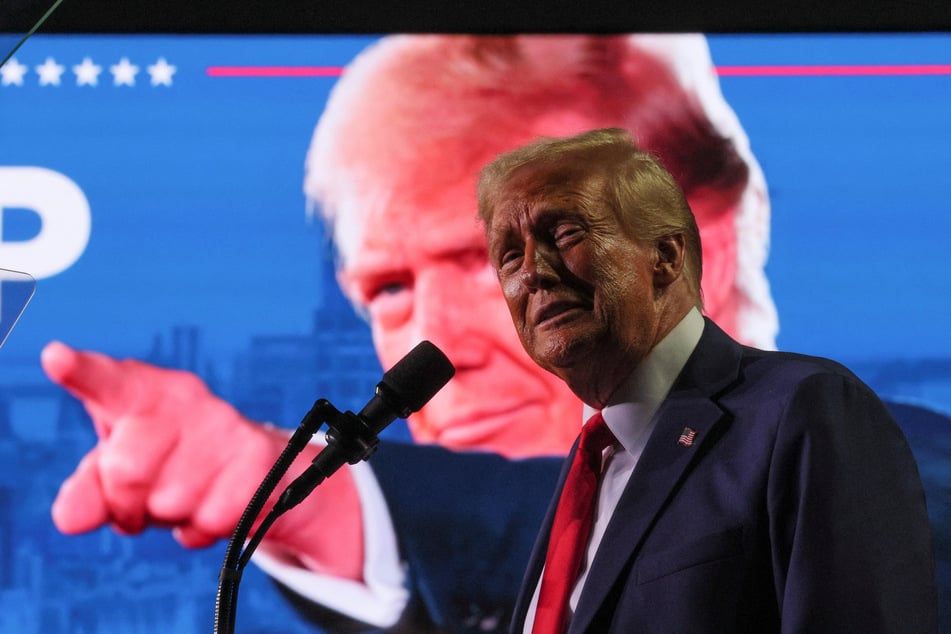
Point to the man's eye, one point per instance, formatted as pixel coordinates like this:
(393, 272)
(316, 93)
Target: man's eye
(390, 304)
(368, 288)
(387, 289)
(509, 258)
(567, 235)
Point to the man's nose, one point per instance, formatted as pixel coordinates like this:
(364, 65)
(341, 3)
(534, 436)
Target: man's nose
(538, 265)
(446, 304)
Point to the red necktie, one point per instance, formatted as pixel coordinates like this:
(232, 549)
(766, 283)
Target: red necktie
(570, 529)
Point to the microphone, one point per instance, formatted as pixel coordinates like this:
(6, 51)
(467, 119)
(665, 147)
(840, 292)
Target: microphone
(407, 386)
(404, 389)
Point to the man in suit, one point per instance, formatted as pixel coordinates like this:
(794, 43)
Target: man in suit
(741, 490)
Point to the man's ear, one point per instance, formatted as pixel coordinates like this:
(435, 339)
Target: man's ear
(670, 259)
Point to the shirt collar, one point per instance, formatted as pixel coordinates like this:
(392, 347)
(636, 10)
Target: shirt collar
(635, 402)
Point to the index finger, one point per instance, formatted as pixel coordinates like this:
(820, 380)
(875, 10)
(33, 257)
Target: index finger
(107, 387)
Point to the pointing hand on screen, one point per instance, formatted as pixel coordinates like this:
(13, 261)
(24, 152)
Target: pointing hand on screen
(171, 454)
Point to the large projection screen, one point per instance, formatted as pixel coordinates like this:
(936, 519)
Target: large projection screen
(153, 187)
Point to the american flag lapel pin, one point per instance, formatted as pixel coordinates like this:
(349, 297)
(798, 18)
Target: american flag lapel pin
(686, 437)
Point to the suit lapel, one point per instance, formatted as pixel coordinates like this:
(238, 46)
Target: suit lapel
(664, 463)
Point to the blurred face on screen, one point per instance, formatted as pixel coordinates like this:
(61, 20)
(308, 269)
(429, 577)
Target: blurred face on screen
(416, 261)
(396, 158)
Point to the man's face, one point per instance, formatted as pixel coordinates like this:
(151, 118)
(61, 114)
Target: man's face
(416, 260)
(578, 286)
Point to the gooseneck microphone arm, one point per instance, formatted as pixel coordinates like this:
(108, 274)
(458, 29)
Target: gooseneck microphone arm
(350, 438)
(231, 569)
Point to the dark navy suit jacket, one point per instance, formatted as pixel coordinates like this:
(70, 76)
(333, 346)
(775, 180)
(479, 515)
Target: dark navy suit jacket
(466, 522)
(797, 508)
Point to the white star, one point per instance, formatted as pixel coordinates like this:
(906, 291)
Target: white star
(87, 73)
(50, 72)
(124, 72)
(12, 73)
(161, 72)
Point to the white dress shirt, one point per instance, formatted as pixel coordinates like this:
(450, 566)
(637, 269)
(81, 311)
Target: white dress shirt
(630, 416)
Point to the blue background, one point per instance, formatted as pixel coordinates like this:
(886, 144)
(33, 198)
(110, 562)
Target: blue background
(201, 257)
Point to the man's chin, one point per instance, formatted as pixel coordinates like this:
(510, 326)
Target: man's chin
(514, 434)
(489, 433)
(559, 353)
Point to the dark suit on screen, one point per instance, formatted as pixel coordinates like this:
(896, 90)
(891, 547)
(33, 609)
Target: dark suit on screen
(465, 523)
(797, 508)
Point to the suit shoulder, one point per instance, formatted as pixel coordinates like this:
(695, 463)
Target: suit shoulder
(794, 368)
(801, 391)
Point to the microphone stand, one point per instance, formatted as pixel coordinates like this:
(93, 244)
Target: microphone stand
(349, 440)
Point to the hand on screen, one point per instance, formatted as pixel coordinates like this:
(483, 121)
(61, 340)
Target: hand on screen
(171, 454)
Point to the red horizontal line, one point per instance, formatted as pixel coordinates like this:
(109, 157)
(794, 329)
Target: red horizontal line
(820, 71)
(274, 71)
(723, 71)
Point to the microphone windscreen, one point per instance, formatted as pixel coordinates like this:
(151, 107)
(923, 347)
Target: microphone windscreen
(418, 376)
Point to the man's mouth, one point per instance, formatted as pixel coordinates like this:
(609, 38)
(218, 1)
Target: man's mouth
(554, 311)
(476, 429)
